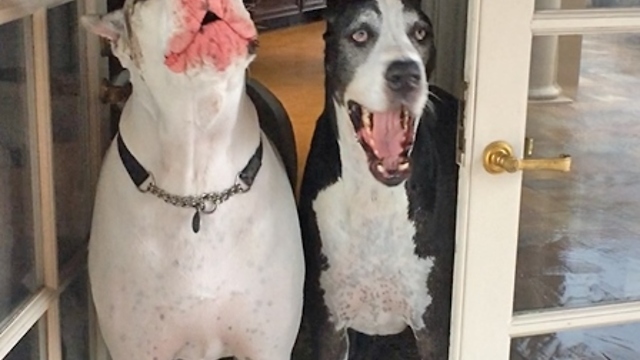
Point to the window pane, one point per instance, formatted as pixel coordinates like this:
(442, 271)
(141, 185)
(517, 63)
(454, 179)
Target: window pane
(579, 241)
(581, 4)
(28, 348)
(610, 343)
(69, 123)
(74, 319)
(17, 278)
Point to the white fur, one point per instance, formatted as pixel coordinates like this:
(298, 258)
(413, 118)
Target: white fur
(368, 85)
(161, 291)
(375, 283)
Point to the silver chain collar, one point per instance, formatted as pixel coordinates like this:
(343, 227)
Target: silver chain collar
(206, 203)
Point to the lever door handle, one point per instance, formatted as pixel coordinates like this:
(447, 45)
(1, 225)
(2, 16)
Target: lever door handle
(499, 157)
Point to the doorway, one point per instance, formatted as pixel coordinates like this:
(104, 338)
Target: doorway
(546, 265)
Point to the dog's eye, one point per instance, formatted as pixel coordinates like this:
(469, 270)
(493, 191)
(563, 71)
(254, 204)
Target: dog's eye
(420, 33)
(360, 36)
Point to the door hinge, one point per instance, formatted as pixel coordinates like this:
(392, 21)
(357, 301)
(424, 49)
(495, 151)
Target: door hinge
(461, 141)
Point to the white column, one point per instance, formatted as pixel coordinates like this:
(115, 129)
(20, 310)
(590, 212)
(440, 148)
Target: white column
(544, 57)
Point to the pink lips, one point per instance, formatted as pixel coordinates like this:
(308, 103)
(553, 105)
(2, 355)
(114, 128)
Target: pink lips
(216, 43)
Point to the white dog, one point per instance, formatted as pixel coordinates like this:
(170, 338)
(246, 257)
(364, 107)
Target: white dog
(195, 249)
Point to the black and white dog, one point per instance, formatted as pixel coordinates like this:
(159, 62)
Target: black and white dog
(377, 203)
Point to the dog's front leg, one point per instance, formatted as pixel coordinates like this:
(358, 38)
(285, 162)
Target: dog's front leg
(332, 344)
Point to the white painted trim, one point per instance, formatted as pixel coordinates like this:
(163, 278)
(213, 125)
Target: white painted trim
(23, 319)
(11, 10)
(497, 67)
(461, 254)
(585, 21)
(486, 249)
(45, 212)
(545, 322)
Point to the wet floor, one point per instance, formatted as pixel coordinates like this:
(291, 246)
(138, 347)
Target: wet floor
(579, 232)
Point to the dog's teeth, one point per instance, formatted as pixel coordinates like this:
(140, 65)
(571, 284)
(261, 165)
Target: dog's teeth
(366, 119)
(376, 153)
(406, 121)
(380, 168)
(404, 166)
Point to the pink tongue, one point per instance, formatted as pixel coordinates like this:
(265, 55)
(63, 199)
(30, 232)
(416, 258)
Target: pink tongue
(388, 136)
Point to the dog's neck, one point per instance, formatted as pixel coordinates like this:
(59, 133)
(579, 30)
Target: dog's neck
(192, 142)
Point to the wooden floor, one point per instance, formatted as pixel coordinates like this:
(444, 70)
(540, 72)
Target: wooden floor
(289, 63)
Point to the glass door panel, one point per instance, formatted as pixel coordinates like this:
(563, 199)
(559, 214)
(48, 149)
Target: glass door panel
(17, 263)
(579, 238)
(608, 343)
(599, 4)
(74, 319)
(70, 132)
(28, 348)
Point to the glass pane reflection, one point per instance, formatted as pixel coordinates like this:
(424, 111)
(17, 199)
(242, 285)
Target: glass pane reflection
(74, 319)
(70, 133)
(17, 276)
(610, 343)
(579, 241)
(28, 348)
(585, 4)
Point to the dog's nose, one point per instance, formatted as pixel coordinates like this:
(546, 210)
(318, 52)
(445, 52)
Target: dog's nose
(403, 76)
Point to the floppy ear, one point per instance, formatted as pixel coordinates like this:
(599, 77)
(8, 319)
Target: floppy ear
(109, 26)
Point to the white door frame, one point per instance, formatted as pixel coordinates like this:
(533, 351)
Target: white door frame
(499, 34)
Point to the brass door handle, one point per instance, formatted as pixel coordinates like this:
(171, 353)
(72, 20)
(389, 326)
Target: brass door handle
(499, 157)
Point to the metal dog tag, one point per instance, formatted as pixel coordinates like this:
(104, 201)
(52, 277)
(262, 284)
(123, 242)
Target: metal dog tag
(195, 222)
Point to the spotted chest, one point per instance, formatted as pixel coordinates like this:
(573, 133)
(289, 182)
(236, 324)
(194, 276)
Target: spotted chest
(374, 283)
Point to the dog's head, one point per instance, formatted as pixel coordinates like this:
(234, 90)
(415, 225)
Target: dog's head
(179, 45)
(378, 56)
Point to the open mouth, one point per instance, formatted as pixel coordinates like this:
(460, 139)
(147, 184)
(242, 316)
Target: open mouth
(213, 34)
(209, 17)
(387, 138)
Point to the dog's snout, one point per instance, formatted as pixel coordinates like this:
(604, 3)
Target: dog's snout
(403, 76)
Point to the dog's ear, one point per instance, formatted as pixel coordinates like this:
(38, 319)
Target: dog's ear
(109, 26)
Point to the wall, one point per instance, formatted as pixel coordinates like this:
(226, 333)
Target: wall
(449, 19)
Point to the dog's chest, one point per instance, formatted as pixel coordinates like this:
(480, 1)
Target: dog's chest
(375, 283)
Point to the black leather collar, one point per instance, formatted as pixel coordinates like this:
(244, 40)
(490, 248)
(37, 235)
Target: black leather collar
(205, 203)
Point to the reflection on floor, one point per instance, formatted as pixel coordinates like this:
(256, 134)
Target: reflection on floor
(579, 233)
